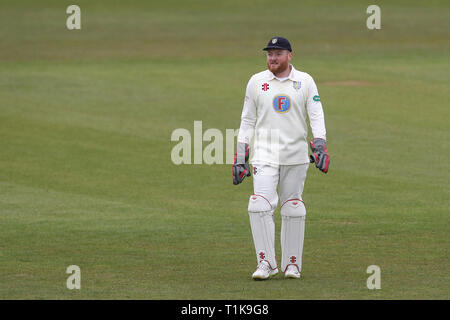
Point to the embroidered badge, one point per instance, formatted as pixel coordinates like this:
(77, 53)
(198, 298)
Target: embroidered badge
(281, 103)
(262, 255)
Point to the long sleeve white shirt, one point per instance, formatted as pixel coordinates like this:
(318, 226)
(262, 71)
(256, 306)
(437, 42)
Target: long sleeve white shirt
(274, 116)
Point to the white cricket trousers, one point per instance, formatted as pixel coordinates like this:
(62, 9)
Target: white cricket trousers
(290, 181)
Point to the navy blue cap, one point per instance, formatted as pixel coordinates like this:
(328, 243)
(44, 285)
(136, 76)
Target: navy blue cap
(278, 43)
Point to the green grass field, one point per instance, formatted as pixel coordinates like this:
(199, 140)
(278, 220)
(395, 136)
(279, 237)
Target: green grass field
(86, 176)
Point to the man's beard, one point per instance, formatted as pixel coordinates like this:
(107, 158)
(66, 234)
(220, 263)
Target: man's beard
(280, 67)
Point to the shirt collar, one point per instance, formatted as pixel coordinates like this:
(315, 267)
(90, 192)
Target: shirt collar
(291, 76)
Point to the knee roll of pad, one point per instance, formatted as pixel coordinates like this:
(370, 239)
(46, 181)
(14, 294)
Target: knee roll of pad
(293, 208)
(258, 203)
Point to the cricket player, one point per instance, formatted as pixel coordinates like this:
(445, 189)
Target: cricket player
(277, 102)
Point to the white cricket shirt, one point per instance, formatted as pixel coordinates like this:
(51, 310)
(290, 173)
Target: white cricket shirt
(275, 113)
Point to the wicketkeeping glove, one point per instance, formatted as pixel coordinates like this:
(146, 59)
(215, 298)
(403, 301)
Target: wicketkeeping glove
(241, 168)
(320, 154)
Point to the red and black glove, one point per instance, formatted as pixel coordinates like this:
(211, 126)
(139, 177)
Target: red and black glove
(241, 168)
(320, 154)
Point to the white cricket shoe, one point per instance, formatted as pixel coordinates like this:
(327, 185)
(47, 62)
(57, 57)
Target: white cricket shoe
(292, 272)
(264, 271)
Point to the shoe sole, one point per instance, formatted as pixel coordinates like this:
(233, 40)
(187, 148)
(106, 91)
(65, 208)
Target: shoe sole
(271, 275)
(291, 276)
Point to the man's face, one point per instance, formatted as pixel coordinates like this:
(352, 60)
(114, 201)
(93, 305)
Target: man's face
(278, 60)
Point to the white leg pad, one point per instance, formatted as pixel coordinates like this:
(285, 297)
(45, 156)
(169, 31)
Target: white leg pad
(263, 229)
(293, 213)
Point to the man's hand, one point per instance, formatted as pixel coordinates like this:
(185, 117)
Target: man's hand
(241, 168)
(320, 154)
